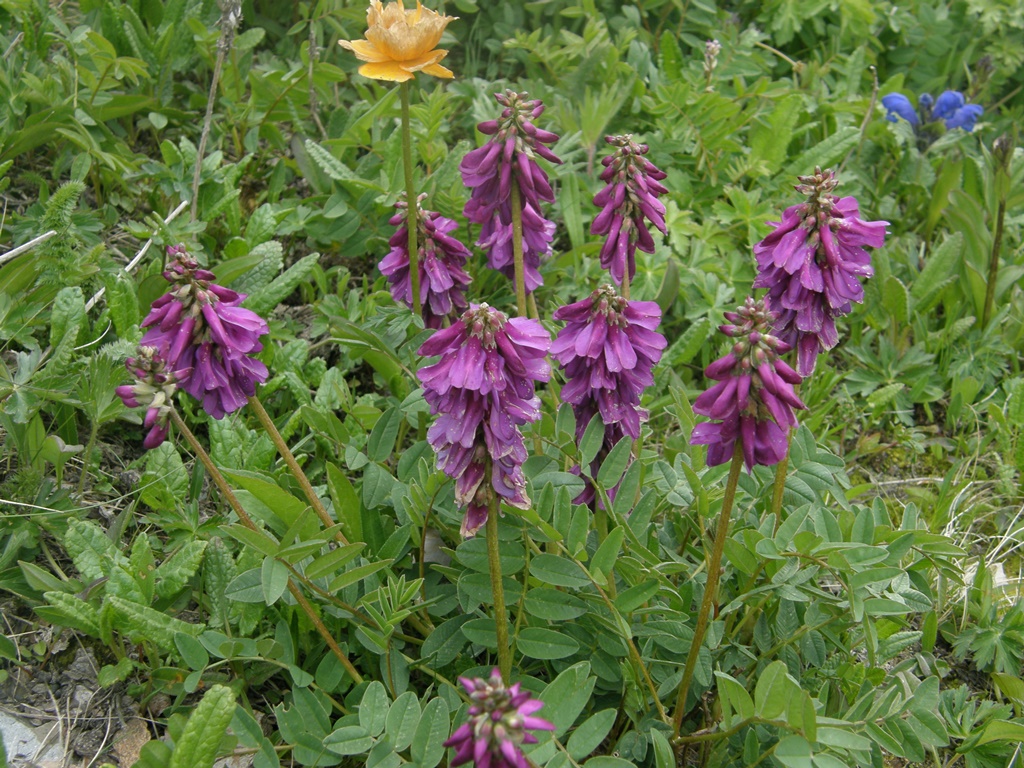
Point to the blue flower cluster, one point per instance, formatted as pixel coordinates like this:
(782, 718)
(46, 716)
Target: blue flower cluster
(951, 107)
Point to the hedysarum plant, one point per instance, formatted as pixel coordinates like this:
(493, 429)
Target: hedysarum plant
(443, 281)
(811, 264)
(200, 327)
(400, 42)
(508, 187)
(153, 390)
(754, 398)
(500, 720)
(951, 108)
(629, 200)
(482, 390)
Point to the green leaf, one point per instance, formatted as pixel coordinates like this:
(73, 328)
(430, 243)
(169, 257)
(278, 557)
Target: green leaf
(272, 504)
(373, 708)
(566, 696)
(771, 694)
(431, 733)
(769, 141)
(89, 548)
(557, 571)
(940, 270)
(591, 442)
(192, 651)
(265, 299)
(357, 574)
(66, 319)
(590, 734)
(896, 300)
(630, 599)
(671, 56)
(604, 761)
(838, 737)
(1002, 730)
(830, 151)
(246, 587)
(603, 563)
(794, 752)
(403, 717)
(170, 577)
(273, 579)
(197, 747)
(325, 565)
(143, 622)
(734, 698)
(382, 437)
(539, 643)
(71, 611)
(347, 506)
(615, 463)
(348, 740)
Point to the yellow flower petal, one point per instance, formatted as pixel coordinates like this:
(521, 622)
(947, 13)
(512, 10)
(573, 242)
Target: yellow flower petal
(364, 50)
(438, 71)
(385, 70)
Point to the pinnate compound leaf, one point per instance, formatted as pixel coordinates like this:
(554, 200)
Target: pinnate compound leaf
(197, 747)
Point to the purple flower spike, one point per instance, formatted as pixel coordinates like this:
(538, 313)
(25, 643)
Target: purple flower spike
(443, 279)
(811, 264)
(200, 327)
(608, 350)
(628, 202)
(482, 391)
(754, 398)
(500, 720)
(510, 157)
(153, 390)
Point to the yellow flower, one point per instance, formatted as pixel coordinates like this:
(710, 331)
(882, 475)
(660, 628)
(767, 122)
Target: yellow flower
(400, 43)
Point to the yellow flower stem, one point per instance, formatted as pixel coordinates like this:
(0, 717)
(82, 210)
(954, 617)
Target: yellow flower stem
(411, 222)
(711, 587)
(243, 517)
(293, 465)
(517, 249)
(497, 587)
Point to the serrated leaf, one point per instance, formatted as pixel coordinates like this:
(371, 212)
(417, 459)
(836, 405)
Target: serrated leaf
(90, 550)
(197, 747)
(826, 153)
(66, 318)
(265, 299)
(255, 271)
(174, 572)
(686, 347)
(143, 622)
(69, 610)
(885, 395)
(896, 299)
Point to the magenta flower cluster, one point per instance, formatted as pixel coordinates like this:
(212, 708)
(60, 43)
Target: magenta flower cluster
(509, 160)
(608, 349)
(628, 202)
(754, 398)
(500, 720)
(483, 390)
(153, 390)
(811, 264)
(200, 327)
(442, 261)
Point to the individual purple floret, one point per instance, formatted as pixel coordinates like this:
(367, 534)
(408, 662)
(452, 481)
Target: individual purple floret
(153, 390)
(442, 258)
(199, 326)
(608, 349)
(628, 202)
(951, 108)
(510, 157)
(754, 398)
(482, 391)
(500, 720)
(811, 263)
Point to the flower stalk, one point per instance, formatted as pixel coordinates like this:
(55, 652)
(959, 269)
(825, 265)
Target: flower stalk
(711, 588)
(410, 196)
(293, 466)
(232, 500)
(498, 589)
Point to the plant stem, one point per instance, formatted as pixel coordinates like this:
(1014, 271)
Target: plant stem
(412, 219)
(517, 249)
(781, 469)
(293, 465)
(229, 21)
(232, 500)
(993, 267)
(498, 588)
(711, 587)
(625, 284)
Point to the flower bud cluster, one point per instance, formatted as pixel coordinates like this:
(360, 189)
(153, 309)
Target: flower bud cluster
(153, 390)
(510, 157)
(628, 202)
(754, 397)
(500, 720)
(442, 261)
